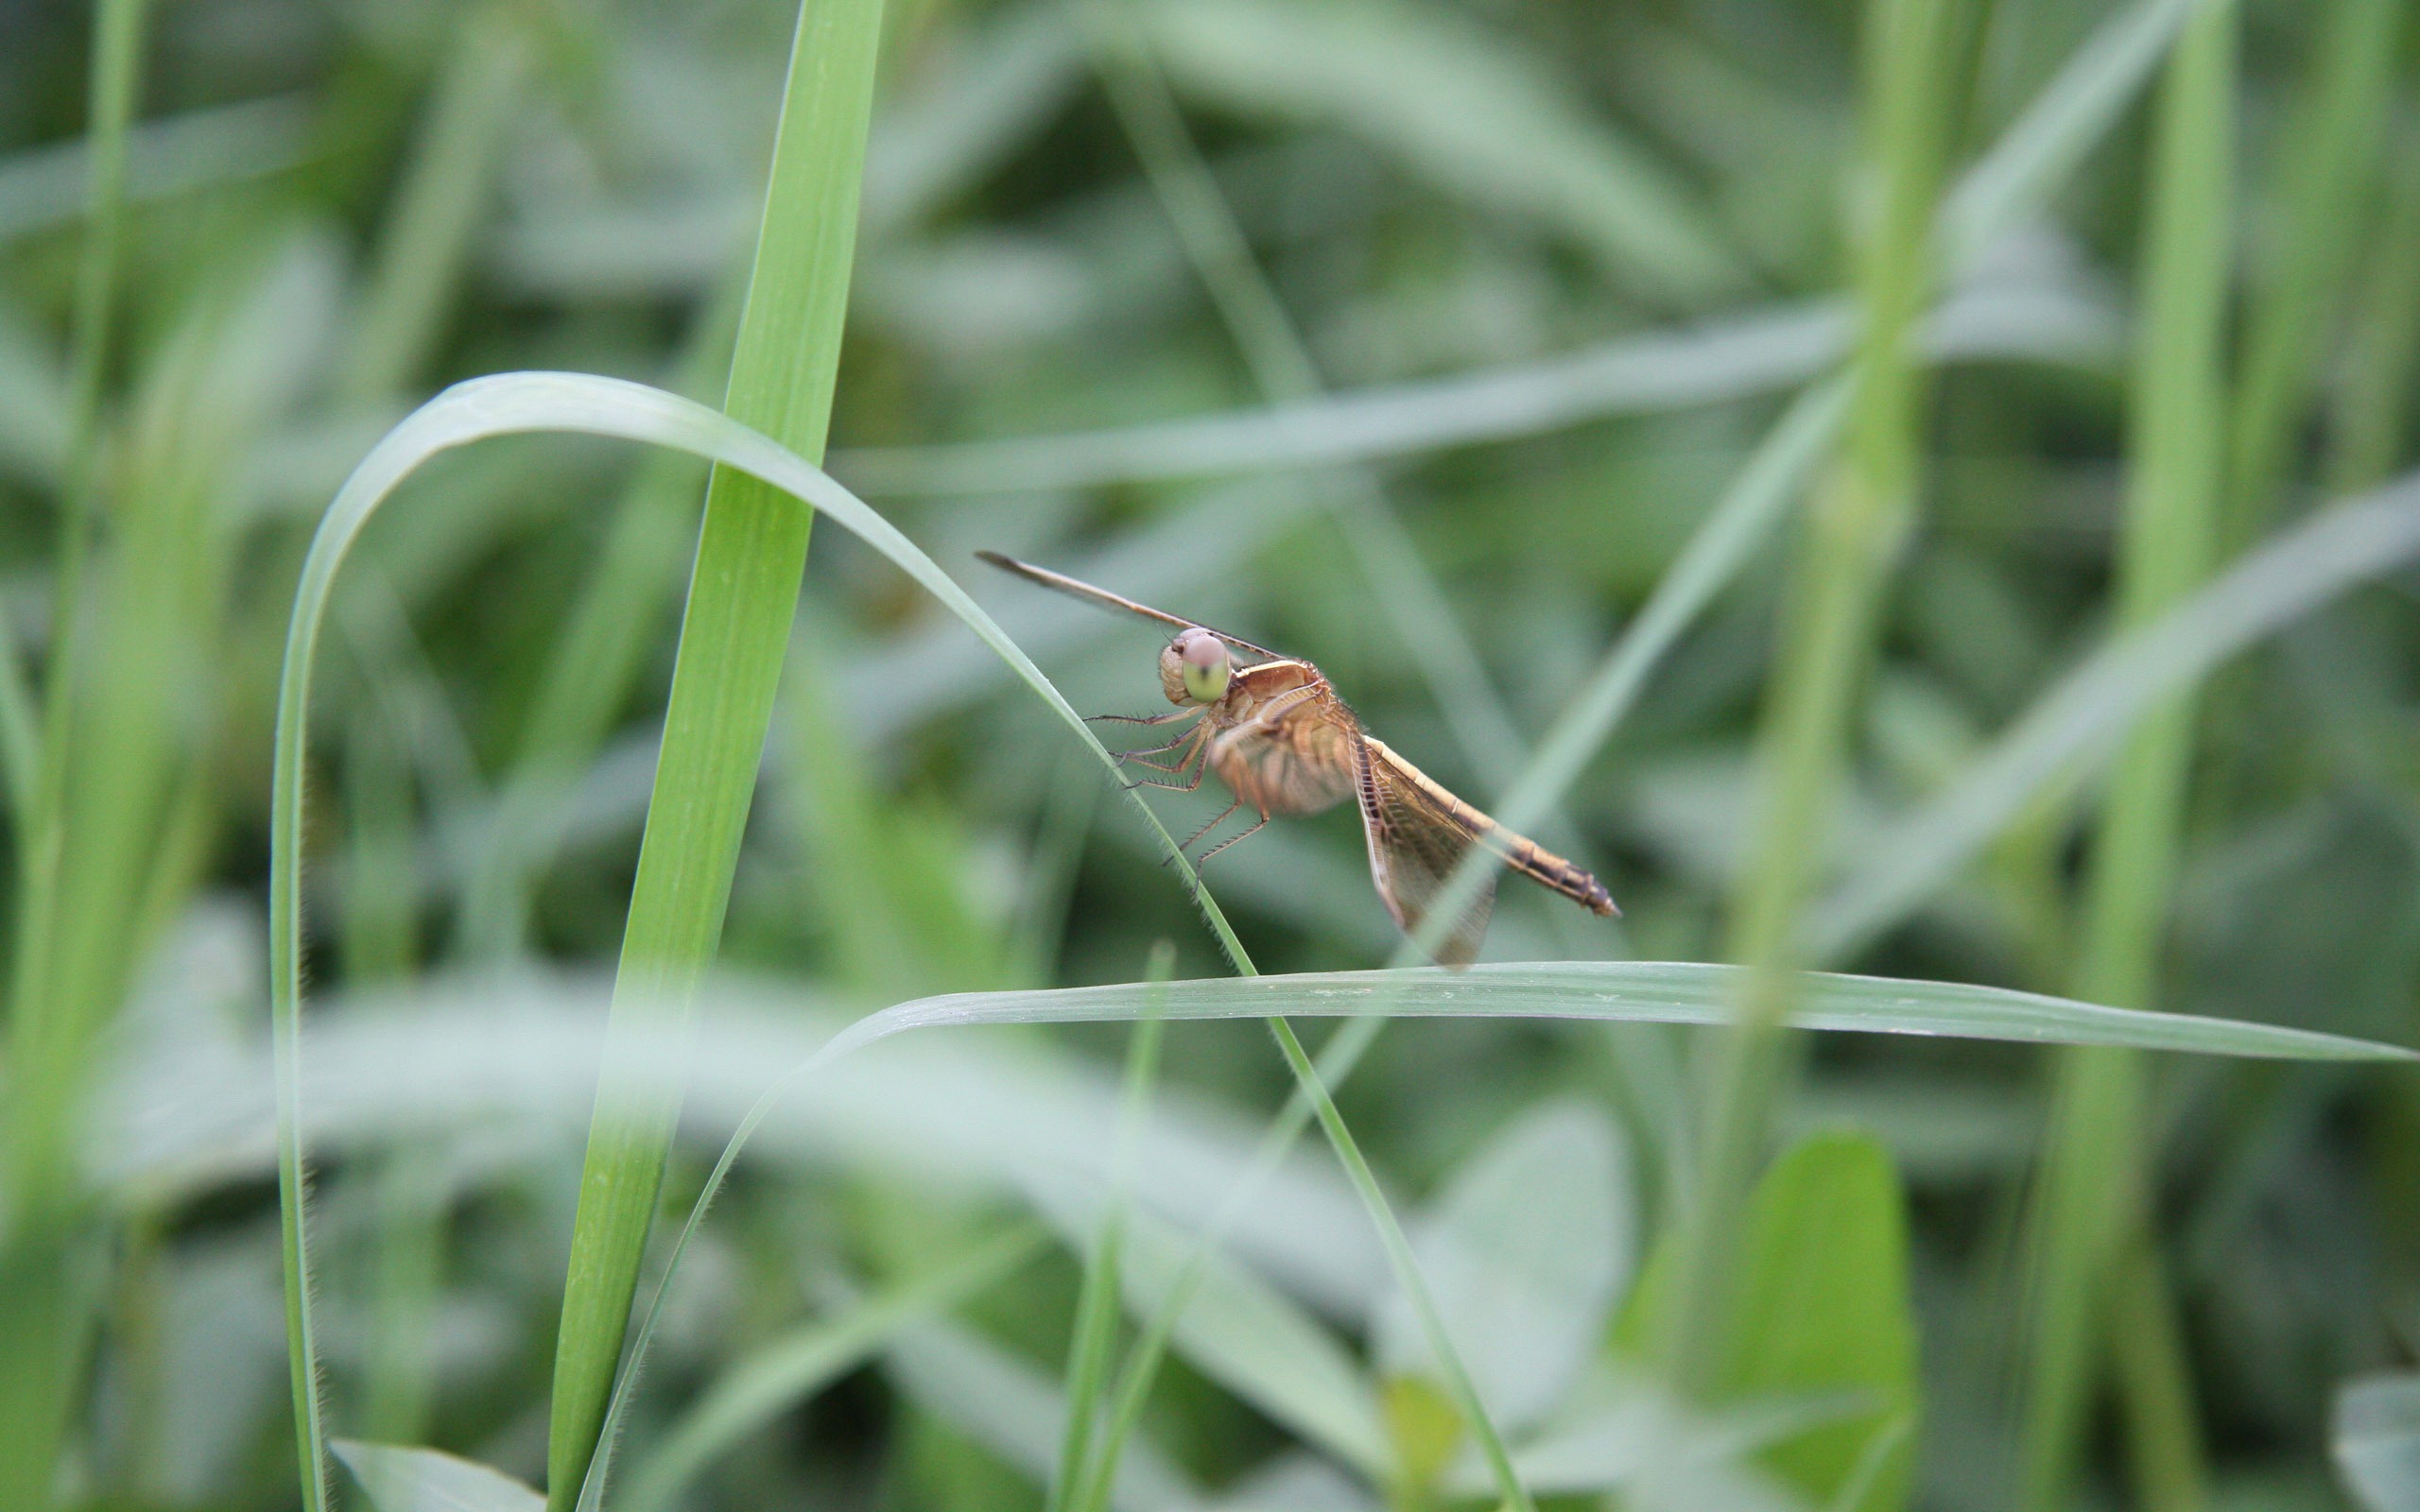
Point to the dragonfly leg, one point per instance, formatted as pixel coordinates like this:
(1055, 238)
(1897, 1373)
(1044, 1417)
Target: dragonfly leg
(1137, 754)
(1230, 840)
(1213, 824)
(1169, 717)
(1192, 785)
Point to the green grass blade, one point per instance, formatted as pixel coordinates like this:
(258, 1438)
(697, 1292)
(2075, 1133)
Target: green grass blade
(1732, 358)
(436, 210)
(1829, 618)
(743, 595)
(1628, 992)
(45, 187)
(1096, 1329)
(2366, 421)
(2326, 174)
(2093, 1181)
(1338, 1058)
(1237, 1328)
(2013, 181)
(596, 658)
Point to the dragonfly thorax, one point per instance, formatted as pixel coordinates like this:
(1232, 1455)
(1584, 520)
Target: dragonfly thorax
(1195, 668)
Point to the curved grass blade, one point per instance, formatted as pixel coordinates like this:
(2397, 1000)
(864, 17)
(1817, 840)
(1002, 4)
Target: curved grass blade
(508, 404)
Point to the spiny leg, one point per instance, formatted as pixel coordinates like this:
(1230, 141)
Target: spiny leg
(1174, 787)
(1230, 840)
(1169, 717)
(1212, 825)
(1196, 749)
(1141, 751)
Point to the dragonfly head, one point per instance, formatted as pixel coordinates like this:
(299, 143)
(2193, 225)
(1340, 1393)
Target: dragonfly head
(1194, 669)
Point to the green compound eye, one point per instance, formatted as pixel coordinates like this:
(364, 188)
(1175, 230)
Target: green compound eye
(1204, 656)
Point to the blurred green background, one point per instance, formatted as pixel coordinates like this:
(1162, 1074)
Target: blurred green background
(1575, 274)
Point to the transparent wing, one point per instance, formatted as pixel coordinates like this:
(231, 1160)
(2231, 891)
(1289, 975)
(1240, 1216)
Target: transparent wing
(1417, 837)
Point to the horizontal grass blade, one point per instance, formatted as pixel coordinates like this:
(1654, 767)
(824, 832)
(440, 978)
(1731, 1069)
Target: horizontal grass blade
(1628, 992)
(1733, 357)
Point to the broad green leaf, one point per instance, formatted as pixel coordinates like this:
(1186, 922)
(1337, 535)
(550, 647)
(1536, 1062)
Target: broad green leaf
(1525, 1249)
(2377, 1440)
(401, 1479)
(1823, 1308)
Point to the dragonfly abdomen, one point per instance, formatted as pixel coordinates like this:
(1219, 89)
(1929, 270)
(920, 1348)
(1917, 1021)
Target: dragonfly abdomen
(1548, 870)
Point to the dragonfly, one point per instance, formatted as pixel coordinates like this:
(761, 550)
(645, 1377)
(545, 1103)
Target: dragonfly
(1284, 743)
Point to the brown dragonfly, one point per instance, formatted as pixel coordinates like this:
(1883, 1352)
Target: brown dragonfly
(1284, 743)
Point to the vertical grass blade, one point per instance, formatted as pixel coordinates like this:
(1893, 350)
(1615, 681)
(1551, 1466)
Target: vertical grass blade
(2328, 168)
(1861, 512)
(2093, 1181)
(1096, 1329)
(430, 227)
(743, 591)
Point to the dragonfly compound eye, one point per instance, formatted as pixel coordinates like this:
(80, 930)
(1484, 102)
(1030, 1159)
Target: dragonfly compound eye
(1203, 658)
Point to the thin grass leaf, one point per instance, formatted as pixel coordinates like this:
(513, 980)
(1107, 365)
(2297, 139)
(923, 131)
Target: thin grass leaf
(1010, 1409)
(437, 209)
(1727, 359)
(752, 549)
(2327, 175)
(1829, 626)
(1338, 1058)
(45, 187)
(2071, 116)
(1096, 1331)
(1630, 992)
(2094, 1185)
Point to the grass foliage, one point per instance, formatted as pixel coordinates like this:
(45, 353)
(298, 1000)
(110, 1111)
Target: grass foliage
(1916, 495)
